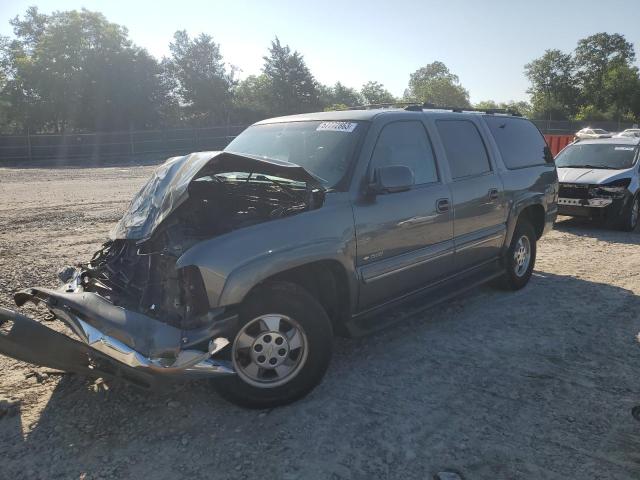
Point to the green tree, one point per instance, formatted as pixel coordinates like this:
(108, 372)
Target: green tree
(521, 108)
(204, 83)
(595, 56)
(590, 113)
(339, 96)
(553, 90)
(621, 86)
(252, 99)
(374, 93)
(292, 88)
(435, 84)
(74, 71)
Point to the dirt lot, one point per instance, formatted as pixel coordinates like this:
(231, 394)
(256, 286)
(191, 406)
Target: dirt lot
(537, 384)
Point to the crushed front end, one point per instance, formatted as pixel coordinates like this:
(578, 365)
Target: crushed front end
(594, 200)
(134, 314)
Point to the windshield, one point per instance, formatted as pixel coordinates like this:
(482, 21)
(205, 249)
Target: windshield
(597, 155)
(324, 149)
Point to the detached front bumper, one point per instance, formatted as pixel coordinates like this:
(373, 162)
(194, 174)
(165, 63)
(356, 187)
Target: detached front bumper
(112, 341)
(590, 207)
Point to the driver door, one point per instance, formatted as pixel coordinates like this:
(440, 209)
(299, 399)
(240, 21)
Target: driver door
(404, 239)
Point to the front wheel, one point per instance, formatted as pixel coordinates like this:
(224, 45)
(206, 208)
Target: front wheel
(629, 220)
(520, 257)
(282, 349)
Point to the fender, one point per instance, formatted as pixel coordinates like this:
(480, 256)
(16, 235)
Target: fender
(520, 202)
(243, 279)
(232, 264)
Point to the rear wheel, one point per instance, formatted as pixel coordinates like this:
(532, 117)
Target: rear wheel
(282, 349)
(520, 257)
(631, 215)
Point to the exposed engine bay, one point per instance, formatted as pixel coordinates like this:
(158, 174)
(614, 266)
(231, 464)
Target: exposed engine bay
(141, 275)
(134, 313)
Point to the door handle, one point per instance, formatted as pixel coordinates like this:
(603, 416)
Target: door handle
(493, 194)
(442, 205)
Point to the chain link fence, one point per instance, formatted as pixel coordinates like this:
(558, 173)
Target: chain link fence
(569, 127)
(104, 147)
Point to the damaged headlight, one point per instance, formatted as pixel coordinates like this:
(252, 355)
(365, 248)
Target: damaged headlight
(617, 188)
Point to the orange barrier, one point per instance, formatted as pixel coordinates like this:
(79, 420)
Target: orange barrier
(558, 142)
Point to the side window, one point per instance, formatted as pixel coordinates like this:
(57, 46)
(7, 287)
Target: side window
(520, 143)
(464, 147)
(406, 143)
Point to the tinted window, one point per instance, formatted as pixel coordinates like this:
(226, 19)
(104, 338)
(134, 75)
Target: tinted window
(465, 149)
(520, 143)
(406, 143)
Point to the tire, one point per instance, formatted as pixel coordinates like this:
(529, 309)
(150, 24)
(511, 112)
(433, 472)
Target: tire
(516, 275)
(630, 216)
(278, 312)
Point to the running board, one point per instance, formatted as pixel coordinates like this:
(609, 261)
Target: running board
(395, 310)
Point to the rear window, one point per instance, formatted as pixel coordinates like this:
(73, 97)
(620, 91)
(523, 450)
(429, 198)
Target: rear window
(464, 147)
(520, 143)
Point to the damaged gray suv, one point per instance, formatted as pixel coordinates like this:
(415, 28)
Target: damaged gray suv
(240, 265)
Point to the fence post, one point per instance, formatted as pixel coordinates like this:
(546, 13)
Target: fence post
(29, 144)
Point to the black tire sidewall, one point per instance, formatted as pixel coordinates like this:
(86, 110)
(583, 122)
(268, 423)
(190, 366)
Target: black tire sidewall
(626, 216)
(295, 302)
(513, 281)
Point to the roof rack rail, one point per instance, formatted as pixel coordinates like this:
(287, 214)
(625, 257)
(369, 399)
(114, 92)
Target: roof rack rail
(418, 107)
(379, 105)
(490, 111)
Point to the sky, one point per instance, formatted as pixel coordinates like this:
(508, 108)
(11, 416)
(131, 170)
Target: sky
(486, 43)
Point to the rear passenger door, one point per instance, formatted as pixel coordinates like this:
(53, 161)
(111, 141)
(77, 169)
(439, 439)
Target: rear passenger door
(479, 210)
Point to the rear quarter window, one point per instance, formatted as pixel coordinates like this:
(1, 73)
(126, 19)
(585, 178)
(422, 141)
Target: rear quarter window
(520, 143)
(464, 147)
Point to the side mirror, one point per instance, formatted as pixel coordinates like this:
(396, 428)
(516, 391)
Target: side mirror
(391, 179)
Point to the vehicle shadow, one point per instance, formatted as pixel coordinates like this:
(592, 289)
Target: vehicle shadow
(584, 227)
(537, 383)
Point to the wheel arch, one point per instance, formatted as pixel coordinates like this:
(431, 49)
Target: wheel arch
(326, 280)
(532, 209)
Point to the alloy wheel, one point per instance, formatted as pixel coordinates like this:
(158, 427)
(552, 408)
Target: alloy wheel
(269, 351)
(522, 255)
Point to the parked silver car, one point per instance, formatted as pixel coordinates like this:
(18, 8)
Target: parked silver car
(600, 179)
(589, 132)
(629, 132)
(240, 265)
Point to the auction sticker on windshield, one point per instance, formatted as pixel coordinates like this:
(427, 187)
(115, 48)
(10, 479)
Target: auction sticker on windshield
(624, 148)
(347, 127)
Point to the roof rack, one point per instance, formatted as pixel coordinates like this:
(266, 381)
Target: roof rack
(418, 107)
(379, 105)
(490, 111)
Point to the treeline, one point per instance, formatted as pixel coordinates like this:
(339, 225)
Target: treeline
(74, 71)
(597, 81)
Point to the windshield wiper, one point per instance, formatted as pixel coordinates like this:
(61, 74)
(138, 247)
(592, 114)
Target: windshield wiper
(604, 167)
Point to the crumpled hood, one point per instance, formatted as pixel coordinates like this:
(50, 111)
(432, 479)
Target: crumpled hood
(168, 186)
(592, 176)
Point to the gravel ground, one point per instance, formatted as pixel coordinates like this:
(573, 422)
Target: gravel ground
(534, 384)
